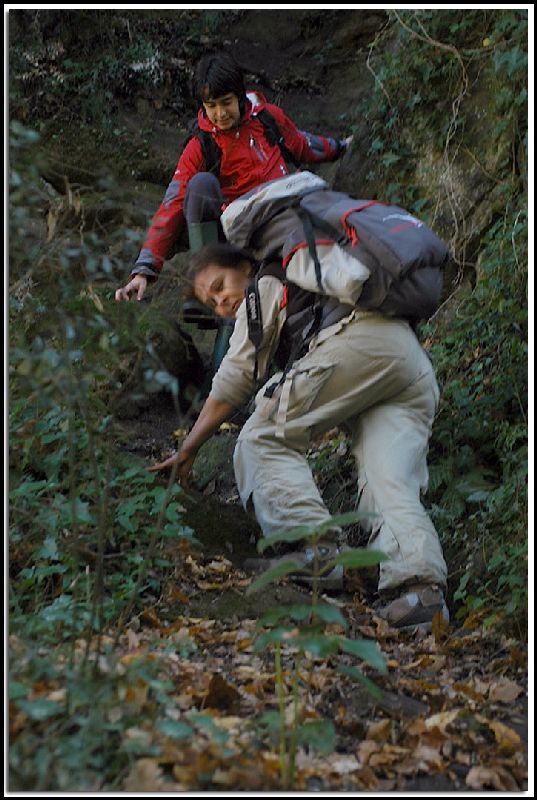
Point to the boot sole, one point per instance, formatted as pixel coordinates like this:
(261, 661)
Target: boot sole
(422, 627)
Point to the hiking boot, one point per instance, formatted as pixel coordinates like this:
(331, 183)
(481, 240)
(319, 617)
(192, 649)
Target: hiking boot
(415, 608)
(311, 561)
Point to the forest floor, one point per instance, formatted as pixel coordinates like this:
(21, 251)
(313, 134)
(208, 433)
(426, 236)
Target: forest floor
(450, 713)
(452, 710)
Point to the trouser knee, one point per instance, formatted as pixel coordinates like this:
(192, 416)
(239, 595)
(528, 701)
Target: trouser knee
(203, 200)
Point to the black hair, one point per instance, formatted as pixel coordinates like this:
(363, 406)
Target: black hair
(218, 74)
(219, 254)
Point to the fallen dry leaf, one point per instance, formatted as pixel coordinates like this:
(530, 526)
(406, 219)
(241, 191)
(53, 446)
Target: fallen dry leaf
(177, 595)
(58, 695)
(229, 724)
(147, 776)
(366, 749)
(133, 640)
(368, 780)
(388, 755)
(343, 765)
(426, 725)
(150, 617)
(507, 739)
(442, 719)
(379, 731)
(426, 757)
(498, 778)
(426, 661)
(221, 695)
(440, 627)
(184, 700)
(504, 690)
(473, 691)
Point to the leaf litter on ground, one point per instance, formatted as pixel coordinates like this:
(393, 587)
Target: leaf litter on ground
(450, 710)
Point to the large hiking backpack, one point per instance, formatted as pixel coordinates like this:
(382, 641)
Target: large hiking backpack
(405, 259)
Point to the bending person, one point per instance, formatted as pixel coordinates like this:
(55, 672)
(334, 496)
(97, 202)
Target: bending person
(365, 370)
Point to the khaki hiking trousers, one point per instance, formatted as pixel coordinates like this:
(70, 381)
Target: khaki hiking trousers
(373, 375)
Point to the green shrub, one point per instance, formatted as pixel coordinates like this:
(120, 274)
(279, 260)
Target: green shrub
(438, 76)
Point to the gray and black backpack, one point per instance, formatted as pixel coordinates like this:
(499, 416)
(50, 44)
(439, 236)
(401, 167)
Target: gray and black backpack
(404, 257)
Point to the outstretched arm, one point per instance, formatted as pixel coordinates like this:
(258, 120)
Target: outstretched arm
(308, 147)
(212, 415)
(165, 227)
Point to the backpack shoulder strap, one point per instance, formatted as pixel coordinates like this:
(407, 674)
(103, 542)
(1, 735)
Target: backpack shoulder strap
(312, 247)
(274, 135)
(211, 152)
(301, 336)
(212, 155)
(253, 305)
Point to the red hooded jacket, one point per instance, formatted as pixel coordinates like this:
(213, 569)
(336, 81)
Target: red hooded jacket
(247, 161)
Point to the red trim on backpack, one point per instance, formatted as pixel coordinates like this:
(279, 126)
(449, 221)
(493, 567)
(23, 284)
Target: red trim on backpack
(402, 226)
(350, 231)
(285, 297)
(297, 247)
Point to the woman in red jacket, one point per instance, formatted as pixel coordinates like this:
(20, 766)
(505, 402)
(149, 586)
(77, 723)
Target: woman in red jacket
(247, 156)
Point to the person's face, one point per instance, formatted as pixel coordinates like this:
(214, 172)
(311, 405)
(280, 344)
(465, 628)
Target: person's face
(223, 112)
(222, 288)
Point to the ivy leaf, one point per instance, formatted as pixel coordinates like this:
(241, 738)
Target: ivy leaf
(275, 615)
(319, 734)
(357, 675)
(17, 690)
(329, 614)
(40, 709)
(174, 728)
(366, 650)
(360, 557)
(273, 574)
(319, 644)
(274, 636)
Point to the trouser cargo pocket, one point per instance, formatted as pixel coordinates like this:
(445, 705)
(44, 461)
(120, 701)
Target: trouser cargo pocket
(298, 393)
